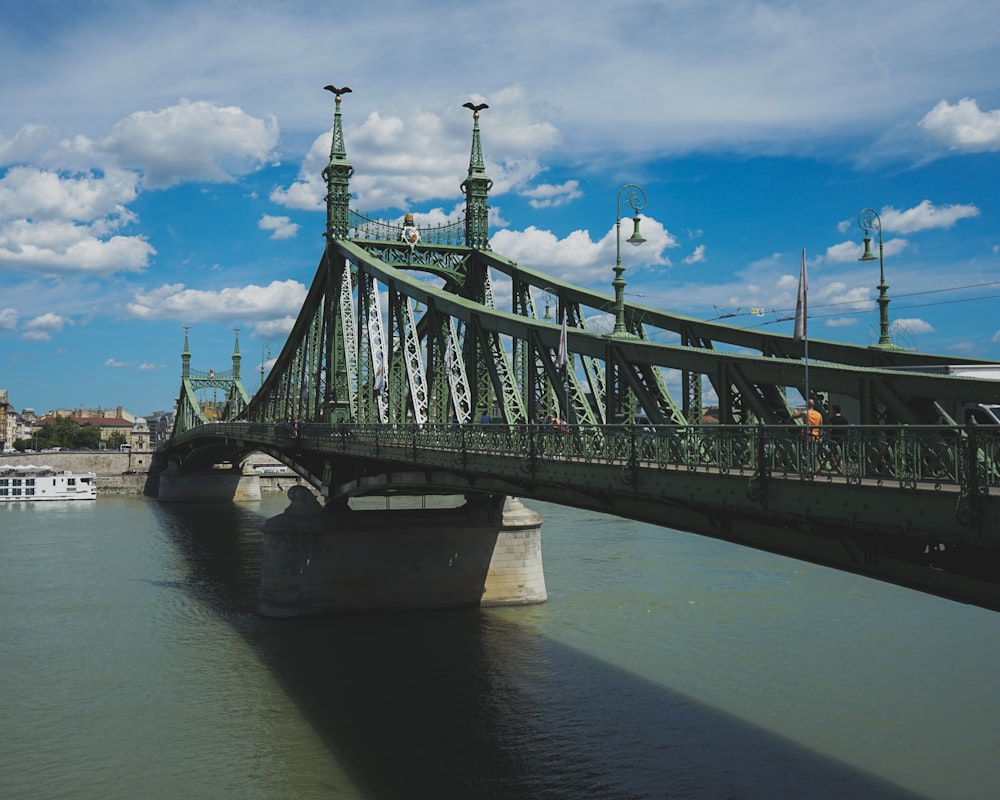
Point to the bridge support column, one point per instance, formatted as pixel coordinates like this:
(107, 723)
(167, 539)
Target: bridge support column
(213, 485)
(484, 553)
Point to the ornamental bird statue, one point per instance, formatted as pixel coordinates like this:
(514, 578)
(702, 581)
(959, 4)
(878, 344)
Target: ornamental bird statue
(336, 91)
(475, 108)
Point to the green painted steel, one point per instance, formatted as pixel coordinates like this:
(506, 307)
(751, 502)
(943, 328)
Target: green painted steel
(401, 335)
(190, 412)
(911, 505)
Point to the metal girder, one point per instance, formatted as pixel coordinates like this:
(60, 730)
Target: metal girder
(504, 353)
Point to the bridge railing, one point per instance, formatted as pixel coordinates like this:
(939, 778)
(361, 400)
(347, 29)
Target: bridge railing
(928, 457)
(932, 456)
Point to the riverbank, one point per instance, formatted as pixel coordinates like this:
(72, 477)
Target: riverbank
(126, 473)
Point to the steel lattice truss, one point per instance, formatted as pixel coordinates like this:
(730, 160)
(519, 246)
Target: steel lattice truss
(392, 334)
(190, 412)
(410, 324)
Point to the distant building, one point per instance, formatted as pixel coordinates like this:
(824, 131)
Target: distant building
(8, 422)
(93, 413)
(161, 423)
(118, 421)
(139, 439)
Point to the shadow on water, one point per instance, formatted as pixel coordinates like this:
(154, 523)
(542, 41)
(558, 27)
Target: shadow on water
(467, 704)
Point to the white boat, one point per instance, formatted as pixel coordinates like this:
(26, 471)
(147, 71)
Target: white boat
(28, 482)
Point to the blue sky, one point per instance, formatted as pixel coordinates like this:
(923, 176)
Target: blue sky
(160, 165)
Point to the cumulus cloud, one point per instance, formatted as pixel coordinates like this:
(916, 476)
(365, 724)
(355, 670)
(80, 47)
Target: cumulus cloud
(280, 227)
(547, 195)
(963, 127)
(254, 303)
(272, 329)
(924, 216)
(41, 328)
(8, 319)
(62, 223)
(52, 323)
(38, 194)
(62, 247)
(70, 217)
(697, 256)
(579, 258)
(191, 141)
(912, 326)
(405, 160)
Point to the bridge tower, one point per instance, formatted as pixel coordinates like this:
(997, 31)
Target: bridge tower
(337, 175)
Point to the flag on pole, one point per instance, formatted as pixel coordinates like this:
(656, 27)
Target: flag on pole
(801, 312)
(561, 356)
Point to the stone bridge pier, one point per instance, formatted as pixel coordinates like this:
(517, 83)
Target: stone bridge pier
(484, 552)
(229, 484)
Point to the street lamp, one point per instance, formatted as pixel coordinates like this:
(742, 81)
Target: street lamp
(635, 198)
(869, 220)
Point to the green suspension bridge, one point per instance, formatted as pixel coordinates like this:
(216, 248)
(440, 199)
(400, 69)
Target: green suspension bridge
(402, 348)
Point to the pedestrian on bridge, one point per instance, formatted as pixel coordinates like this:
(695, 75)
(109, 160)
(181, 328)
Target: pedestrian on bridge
(838, 430)
(813, 421)
(812, 417)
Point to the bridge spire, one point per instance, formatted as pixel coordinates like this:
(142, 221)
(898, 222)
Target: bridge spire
(337, 175)
(476, 187)
(236, 356)
(186, 357)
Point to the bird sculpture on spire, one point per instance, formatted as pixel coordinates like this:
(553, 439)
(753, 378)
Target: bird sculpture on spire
(336, 91)
(475, 108)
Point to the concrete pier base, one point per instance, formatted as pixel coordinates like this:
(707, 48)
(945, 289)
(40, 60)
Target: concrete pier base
(215, 486)
(484, 553)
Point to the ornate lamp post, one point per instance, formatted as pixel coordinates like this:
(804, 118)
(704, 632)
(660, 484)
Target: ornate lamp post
(869, 220)
(635, 198)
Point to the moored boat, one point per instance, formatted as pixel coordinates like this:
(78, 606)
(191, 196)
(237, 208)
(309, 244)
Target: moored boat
(28, 482)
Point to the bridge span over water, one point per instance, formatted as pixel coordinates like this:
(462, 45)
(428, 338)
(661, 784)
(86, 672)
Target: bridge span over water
(403, 348)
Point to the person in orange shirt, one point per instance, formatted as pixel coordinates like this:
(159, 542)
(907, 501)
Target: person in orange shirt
(812, 417)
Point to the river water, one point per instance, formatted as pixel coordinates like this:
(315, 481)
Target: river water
(664, 665)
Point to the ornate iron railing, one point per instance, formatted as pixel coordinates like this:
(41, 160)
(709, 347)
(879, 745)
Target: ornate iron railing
(925, 457)
(449, 233)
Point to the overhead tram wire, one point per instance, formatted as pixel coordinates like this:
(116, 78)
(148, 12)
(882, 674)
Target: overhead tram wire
(737, 313)
(867, 310)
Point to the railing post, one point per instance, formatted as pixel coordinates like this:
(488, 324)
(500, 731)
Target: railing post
(969, 501)
(532, 432)
(634, 457)
(465, 446)
(758, 485)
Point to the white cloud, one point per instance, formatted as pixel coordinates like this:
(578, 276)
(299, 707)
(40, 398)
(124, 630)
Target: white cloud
(697, 256)
(912, 326)
(41, 328)
(254, 303)
(273, 329)
(8, 319)
(110, 362)
(546, 195)
(62, 247)
(191, 141)
(280, 227)
(32, 193)
(925, 215)
(64, 223)
(52, 323)
(402, 161)
(580, 259)
(963, 126)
